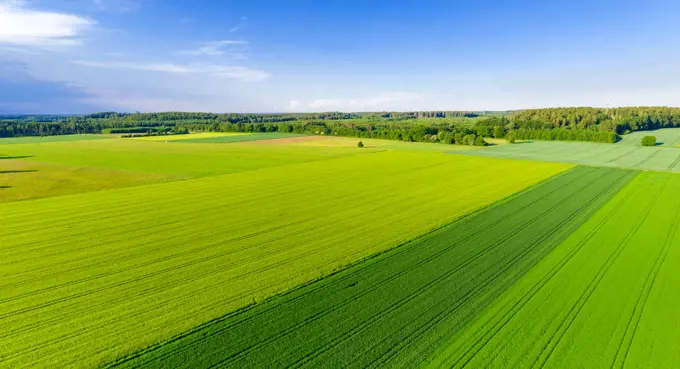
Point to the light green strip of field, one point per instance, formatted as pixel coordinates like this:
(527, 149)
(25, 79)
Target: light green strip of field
(88, 278)
(22, 180)
(189, 136)
(44, 139)
(257, 136)
(588, 153)
(189, 160)
(606, 297)
(664, 137)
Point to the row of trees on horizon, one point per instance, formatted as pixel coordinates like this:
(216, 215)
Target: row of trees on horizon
(575, 124)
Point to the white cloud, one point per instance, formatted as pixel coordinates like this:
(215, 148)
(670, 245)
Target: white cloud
(215, 48)
(167, 68)
(329, 104)
(388, 101)
(241, 73)
(293, 104)
(225, 71)
(20, 25)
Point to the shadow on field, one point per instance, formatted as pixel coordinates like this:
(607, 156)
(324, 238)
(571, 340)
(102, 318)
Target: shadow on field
(1, 187)
(18, 171)
(16, 157)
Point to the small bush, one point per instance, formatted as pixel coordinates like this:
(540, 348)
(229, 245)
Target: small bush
(360, 144)
(510, 137)
(648, 141)
(479, 141)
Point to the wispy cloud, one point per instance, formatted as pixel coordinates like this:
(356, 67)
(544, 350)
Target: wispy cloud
(293, 104)
(387, 101)
(218, 48)
(20, 25)
(167, 68)
(224, 71)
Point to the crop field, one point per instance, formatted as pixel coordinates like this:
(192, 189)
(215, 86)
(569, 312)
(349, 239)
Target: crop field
(188, 136)
(664, 137)
(187, 160)
(89, 278)
(65, 138)
(23, 180)
(309, 251)
(392, 310)
(240, 137)
(587, 153)
(603, 298)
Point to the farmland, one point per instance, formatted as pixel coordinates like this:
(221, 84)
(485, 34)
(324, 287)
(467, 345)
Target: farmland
(602, 299)
(392, 310)
(664, 137)
(309, 251)
(620, 155)
(93, 292)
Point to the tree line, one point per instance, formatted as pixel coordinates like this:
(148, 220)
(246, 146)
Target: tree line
(456, 127)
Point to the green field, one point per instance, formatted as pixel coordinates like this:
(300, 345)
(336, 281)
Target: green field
(44, 139)
(392, 310)
(620, 155)
(23, 180)
(664, 137)
(240, 137)
(310, 251)
(102, 274)
(602, 299)
(189, 160)
(188, 136)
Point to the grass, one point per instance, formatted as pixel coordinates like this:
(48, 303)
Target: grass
(241, 137)
(189, 136)
(393, 310)
(92, 277)
(604, 298)
(187, 160)
(664, 137)
(24, 180)
(369, 143)
(587, 153)
(41, 139)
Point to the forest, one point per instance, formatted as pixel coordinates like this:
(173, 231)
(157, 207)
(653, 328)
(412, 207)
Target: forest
(453, 127)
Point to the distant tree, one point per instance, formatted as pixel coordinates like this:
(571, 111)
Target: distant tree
(510, 137)
(648, 141)
(479, 141)
(360, 144)
(499, 132)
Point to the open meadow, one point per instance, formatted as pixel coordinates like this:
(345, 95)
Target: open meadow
(310, 251)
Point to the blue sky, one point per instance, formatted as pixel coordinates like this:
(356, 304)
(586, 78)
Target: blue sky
(80, 56)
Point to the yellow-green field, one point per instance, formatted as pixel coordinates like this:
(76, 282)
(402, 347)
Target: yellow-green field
(22, 180)
(89, 278)
(189, 136)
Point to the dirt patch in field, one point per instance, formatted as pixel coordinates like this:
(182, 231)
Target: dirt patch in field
(287, 140)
